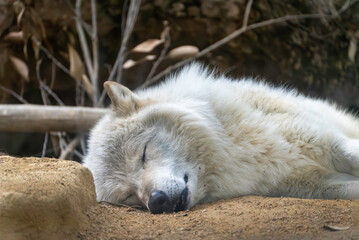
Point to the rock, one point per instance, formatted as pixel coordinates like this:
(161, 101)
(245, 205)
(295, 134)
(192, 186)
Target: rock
(43, 198)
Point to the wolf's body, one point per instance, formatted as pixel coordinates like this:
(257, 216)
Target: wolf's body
(195, 139)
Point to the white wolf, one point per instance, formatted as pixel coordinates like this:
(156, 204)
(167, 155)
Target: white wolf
(196, 138)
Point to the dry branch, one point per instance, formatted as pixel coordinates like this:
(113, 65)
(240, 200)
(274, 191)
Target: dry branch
(50, 56)
(130, 23)
(82, 37)
(70, 147)
(166, 38)
(127, 28)
(14, 94)
(37, 118)
(95, 52)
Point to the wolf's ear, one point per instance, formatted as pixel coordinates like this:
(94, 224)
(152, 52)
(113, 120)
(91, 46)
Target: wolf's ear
(123, 99)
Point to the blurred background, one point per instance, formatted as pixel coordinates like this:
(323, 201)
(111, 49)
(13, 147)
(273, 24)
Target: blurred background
(59, 52)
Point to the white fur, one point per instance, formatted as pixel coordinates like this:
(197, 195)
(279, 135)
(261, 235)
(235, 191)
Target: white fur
(231, 137)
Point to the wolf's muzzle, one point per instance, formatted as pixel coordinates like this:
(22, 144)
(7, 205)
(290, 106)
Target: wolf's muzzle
(160, 202)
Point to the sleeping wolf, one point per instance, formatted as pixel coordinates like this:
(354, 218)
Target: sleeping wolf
(196, 138)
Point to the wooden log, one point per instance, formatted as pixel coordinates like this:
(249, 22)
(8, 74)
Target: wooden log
(39, 118)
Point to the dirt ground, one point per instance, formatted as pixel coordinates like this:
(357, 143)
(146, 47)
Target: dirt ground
(51, 199)
(249, 217)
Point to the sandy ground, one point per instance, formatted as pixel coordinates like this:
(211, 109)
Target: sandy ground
(53, 199)
(249, 217)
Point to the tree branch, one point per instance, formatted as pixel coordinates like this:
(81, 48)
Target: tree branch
(167, 42)
(130, 23)
(44, 145)
(52, 94)
(82, 37)
(246, 13)
(95, 52)
(44, 97)
(70, 147)
(14, 94)
(54, 60)
(126, 29)
(37, 118)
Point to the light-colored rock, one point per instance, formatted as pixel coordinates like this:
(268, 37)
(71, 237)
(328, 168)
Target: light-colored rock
(43, 198)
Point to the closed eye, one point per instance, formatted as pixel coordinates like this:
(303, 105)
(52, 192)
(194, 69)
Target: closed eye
(128, 197)
(131, 200)
(144, 155)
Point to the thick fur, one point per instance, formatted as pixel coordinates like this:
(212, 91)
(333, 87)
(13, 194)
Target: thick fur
(229, 138)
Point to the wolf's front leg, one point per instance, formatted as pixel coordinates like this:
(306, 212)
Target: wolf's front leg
(340, 185)
(345, 156)
(318, 182)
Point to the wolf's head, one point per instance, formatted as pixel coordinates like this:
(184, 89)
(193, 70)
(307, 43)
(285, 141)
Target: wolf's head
(146, 153)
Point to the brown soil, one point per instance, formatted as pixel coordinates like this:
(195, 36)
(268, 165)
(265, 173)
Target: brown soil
(249, 217)
(54, 199)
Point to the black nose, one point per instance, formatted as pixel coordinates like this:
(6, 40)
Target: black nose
(159, 202)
